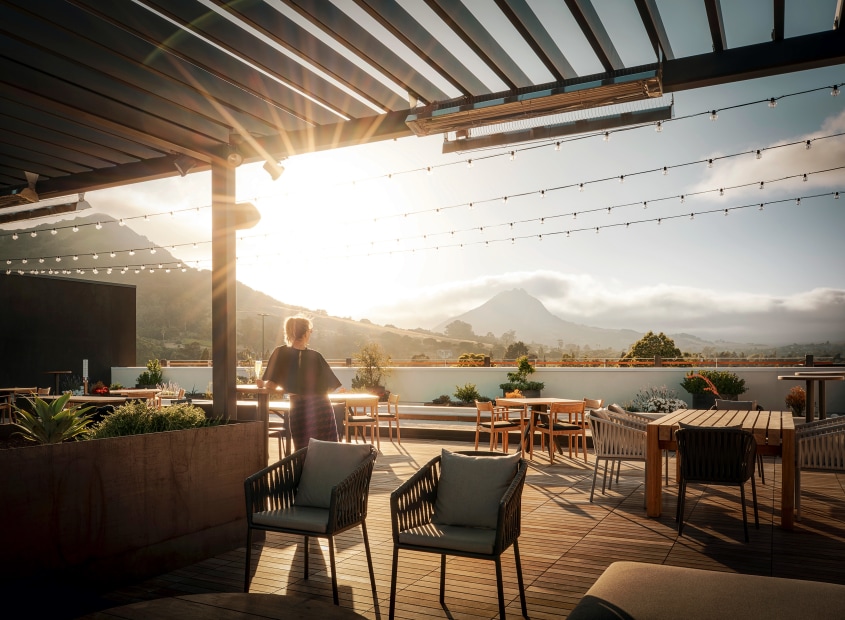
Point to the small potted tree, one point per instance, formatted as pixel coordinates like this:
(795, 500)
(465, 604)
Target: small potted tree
(708, 385)
(373, 367)
(518, 380)
(151, 377)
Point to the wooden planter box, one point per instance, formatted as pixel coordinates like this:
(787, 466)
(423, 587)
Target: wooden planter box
(126, 508)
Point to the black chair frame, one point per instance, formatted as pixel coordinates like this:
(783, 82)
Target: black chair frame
(717, 456)
(412, 505)
(274, 488)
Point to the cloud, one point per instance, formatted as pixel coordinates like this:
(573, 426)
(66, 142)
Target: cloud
(810, 316)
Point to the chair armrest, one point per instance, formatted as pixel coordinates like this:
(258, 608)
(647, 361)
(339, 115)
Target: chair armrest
(274, 487)
(412, 504)
(348, 504)
(509, 524)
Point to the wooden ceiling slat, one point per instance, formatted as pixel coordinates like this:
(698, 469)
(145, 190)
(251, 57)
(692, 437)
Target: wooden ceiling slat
(588, 20)
(653, 23)
(717, 25)
(410, 32)
(350, 34)
(535, 34)
(479, 40)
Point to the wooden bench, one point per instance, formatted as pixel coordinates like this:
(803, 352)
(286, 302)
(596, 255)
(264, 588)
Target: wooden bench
(634, 591)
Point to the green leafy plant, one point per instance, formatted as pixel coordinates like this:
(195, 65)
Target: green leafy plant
(137, 418)
(518, 380)
(467, 394)
(443, 399)
(372, 363)
(725, 383)
(153, 375)
(49, 422)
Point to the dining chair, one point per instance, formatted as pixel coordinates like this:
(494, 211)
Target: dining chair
(743, 405)
(819, 446)
(280, 429)
(716, 456)
(392, 415)
(617, 411)
(362, 414)
(615, 440)
(318, 491)
(494, 420)
(550, 423)
(465, 504)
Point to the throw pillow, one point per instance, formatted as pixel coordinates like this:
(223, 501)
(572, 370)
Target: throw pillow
(327, 463)
(471, 487)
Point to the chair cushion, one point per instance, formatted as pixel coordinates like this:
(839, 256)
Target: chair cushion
(327, 463)
(471, 487)
(601, 413)
(468, 539)
(616, 408)
(303, 518)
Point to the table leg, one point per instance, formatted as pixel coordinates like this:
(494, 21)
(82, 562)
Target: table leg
(787, 490)
(810, 400)
(653, 477)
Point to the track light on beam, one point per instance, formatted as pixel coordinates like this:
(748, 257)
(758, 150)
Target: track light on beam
(234, 158)
(274, 169)
(184, 164)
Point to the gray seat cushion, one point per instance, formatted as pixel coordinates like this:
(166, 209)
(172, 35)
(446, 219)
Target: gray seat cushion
(327, 463)
(304, 518)
(471, 487)
(458, 538)
(633, 591)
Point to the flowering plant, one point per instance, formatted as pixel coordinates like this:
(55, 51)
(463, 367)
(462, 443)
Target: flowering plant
(796, 399)
(656, 400)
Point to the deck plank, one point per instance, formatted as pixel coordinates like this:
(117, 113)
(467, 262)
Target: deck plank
(565, 545)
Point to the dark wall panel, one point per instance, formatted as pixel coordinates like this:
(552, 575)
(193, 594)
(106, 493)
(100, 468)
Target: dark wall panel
(55, 323)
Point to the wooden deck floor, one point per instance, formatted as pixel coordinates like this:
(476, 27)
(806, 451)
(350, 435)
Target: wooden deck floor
(565, 545)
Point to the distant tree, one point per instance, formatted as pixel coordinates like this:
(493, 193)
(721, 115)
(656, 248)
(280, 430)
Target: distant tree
(508, 338)
(653, 344)
(460, 330)
(515, 350)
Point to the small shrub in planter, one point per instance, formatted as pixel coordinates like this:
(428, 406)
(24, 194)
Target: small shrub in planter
(467, 394)
(796, 400)
(443, 399)
(48, 422)
(152, 376)
(137, 418)
(656, 400)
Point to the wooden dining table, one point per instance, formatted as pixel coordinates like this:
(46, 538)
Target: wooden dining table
(527, 408)
(773, 430)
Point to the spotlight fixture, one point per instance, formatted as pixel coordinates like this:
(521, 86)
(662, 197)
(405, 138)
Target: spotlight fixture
(184, 164)
(274, 169)
(234, 158)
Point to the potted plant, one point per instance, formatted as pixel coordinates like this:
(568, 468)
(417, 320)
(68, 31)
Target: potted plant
(518, 380)
(151, 377)
(796, 400)
(708, 385)
(373, 367)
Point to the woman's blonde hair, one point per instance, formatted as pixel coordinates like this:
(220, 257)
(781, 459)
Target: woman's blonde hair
(296, 327)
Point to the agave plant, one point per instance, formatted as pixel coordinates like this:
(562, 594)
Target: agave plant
(49, 422)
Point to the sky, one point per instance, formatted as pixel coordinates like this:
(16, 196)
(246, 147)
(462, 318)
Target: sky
(368, 233)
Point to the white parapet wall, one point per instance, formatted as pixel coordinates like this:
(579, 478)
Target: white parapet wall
(619, 385)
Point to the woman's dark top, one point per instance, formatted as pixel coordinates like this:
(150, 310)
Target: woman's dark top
(302, 372)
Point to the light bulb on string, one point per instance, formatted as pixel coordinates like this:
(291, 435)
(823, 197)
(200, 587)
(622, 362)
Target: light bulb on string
(512, 155)
(761, 207)
(606, 136)
(14, 236)
(76, 257)
(557, 146)
(659, 220)
(836, 196)
(58, 259)
(713, 115)
(762, 184)
(692, 216)
(505, 199)
(665, 171)
(575, 216)
(645, 204)
(24, 261)
(54, 232)
(152, 250)
(597, 230)
(469, 163)
(709, 163)
(428, 170)
(726, 212)
(804, 178)
(95, 256)
(621, 178)
(542, 193)
(683, 198)
(121, 222)
(797, 202)
(759, 155)
(834, 92)
(580, 187)
(131, 252)
(609, 210)
(808, 145)
(470, 206)
(721, 191)
(98, 226)
(773, 102)
(658, 127)
(75, 228)
(33, 234)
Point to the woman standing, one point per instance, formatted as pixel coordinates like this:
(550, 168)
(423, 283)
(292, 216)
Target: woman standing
(307, 379)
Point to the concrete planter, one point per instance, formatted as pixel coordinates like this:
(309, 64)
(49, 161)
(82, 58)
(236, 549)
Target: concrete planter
(126, 508)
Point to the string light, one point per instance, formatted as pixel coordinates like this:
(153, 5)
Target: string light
(773, 102)
(621, 178)
(469, 163)
(762, 183)
(726, 212)
(665, 171)
(75, 228)
(557, 146)
(33, 234)
(645, 204)
(580, 187)
(54, 232)
(759, 154)
(713, 115)
(761, 207)
(14, 236)
(658, 127)
(836, 196)
(98, 226)
(122, 222)
(834, 91)
(606, 136)
(428, 170)
(808, 145)
(804, 178)
(721, 191)
(797, 202)
(683, 199)
(513, 155)
(709, 163)
(542, 193)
